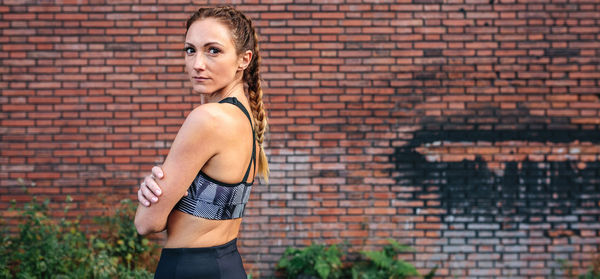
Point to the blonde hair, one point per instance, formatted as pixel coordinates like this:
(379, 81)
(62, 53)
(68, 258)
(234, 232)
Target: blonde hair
(245, 38)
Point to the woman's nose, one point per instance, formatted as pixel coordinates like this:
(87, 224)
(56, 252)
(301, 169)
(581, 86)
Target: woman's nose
(199, 63)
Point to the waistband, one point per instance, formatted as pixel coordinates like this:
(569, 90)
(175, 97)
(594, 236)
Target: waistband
(219, 250)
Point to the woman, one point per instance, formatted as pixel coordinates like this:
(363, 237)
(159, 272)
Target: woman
(215, 156)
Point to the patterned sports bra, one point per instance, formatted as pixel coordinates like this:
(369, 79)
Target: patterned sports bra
(211, 199)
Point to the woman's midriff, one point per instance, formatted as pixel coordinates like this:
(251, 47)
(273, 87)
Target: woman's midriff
(185, 230)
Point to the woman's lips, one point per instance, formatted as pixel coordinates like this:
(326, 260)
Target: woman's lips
(200, 79)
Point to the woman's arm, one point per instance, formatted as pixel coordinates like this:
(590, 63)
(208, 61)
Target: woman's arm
(195, 143)
(149, 190)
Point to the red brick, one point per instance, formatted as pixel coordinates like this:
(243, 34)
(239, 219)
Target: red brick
(347, 85)
(69, 16)
(16, 16)
(97, 23)
(322, 15)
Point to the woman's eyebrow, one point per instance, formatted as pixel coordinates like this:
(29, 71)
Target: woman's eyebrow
(209, 43)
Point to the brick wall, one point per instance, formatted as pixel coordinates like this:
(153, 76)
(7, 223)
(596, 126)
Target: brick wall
(467, 129)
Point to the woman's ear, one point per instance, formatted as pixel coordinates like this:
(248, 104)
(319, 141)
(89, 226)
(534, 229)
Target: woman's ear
(245, 59)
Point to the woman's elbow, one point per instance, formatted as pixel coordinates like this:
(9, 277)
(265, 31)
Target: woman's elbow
(141, 227)
(145, 226)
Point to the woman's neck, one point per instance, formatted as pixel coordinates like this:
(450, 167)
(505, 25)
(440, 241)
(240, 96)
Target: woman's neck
(234, 90)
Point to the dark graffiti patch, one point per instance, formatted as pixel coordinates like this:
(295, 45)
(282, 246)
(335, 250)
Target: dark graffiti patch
(521, 191)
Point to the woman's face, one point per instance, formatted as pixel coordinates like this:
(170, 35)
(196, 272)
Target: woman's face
(211, 60)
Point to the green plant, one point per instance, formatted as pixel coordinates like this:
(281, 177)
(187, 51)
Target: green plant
(42, 247)
(384, 264)
(123, 240)
(4, 256)
(314, 260)
(593, 272)
(49, 248)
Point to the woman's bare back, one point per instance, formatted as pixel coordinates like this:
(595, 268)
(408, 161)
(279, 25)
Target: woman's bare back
(228, 166)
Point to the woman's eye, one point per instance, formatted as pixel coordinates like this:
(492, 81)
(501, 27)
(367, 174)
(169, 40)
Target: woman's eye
(188, 50)
(214, 50)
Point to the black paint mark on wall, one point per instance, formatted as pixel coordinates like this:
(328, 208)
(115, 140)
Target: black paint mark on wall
(523, 191)
(530, 135)
(566, 52)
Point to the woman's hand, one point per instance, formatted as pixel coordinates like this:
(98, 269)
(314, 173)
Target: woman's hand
(149, 190)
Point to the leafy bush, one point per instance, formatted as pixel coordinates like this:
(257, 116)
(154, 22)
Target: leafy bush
(4, 255)
(593, 272)
(125, 243)
(315, 260)
(47, 248)
(385, 264)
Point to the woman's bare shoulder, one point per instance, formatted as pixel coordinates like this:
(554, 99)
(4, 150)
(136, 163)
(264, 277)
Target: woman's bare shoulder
(211, 113)
(213, 117)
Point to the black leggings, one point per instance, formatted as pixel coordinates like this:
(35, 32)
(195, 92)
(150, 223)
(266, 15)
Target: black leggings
(216, 262)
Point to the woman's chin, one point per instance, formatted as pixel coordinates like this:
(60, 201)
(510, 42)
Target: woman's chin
(200, 90)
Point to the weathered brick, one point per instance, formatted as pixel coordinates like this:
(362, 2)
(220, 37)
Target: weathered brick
(470, 130)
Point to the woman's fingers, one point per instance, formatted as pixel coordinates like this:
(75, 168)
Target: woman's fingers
(150, 189)
(148, 194)
(141, 198)
(152, 185)
(157, 172)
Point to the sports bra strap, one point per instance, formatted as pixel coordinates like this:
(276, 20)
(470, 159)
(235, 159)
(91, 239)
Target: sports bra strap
(234, 101)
